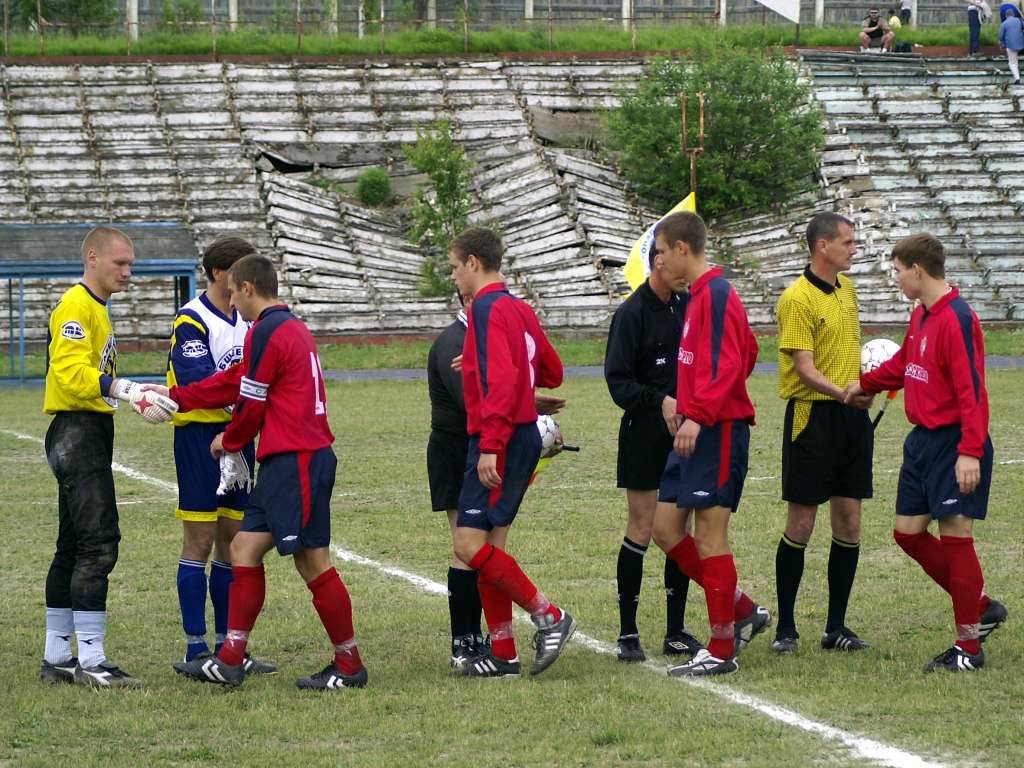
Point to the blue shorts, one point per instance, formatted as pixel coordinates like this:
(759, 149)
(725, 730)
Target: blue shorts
(485, 508)
(928, 484)
(713, 476)
(199, 475)
(292, 499)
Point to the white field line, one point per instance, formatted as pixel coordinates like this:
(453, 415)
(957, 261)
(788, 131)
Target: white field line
(866, 748)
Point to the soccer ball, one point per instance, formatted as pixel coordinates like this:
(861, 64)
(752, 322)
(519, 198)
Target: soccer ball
(550, 436)
(876, 352)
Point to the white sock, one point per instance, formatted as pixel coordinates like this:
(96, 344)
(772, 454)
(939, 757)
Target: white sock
(60, 625)
(90, 627)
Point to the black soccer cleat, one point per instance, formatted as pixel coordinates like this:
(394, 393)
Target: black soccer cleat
(843, 639)
(681, 643)
(489, 665)
(629, 649)
(991, 619)
(61, 672)
(956, 659)
(256, 667)
(106, 674)
(549, 642)
(330, 678)
(756, 622)
(210, 669)
(465, 648)
(703, 665)
(785, 642)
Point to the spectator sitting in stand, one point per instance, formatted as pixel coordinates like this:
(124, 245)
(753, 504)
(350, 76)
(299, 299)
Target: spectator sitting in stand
(875, 32)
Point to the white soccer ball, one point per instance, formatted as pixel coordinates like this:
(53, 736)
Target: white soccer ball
(550, 436)
(876, 352)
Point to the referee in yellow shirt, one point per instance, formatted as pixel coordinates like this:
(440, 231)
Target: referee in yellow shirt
(81, 393)
(827, 446)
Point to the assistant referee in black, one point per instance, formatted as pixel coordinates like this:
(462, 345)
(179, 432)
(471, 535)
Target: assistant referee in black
(640, 370)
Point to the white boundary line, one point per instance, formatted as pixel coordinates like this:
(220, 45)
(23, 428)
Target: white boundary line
(866, 748)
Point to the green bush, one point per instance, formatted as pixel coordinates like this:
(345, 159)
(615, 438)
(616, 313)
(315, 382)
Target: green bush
(440, 208)
(373, 187)
(181, 15)
(762, 135)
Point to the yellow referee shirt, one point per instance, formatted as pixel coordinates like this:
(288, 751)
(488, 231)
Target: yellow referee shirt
(820, 318)
(81, 350)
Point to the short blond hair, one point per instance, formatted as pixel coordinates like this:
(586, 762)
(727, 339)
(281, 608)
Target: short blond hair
(101, 238)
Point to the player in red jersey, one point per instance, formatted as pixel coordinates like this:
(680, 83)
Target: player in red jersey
(279, 389)
(947, 457)
(505, 356)
(704, 474)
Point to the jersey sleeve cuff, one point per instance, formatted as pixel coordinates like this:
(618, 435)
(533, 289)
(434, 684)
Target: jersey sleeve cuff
(106, 382)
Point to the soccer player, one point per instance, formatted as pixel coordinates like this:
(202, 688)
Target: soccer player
(640, 370)
(506, 355)
(947, 457)
(207, 337)
(703, 476)
(280, 395)
(826, 445)
(82, 390)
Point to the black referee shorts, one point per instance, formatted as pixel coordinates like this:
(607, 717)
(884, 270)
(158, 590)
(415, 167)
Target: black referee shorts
(446, 462)
(644, 446)
(826, 452)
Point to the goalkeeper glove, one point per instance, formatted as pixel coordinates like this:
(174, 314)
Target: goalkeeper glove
(154, 407)
(234, 473)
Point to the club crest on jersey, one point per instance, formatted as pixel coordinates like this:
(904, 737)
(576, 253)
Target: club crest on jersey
(229, 358)
(73, 330)
(194, 348)
(685, 357)
(924, 344)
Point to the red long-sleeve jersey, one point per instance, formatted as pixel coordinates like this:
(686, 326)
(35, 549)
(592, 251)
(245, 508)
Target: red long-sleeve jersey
(277, 389)
(717, 353)
(505, 357)
(941, 367)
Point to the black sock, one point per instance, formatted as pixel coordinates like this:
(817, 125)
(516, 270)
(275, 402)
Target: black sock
(842, 567)
(629, 573)
(463, 602)
(677, 585)
(789, 569)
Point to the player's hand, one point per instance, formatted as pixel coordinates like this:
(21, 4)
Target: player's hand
(668, 413)
(968, 473)
(686, 438)
(152, 406)
(217, 446)
(548, 405)
(457, 363)
(856, 397)
(160, 389)
(487, 469)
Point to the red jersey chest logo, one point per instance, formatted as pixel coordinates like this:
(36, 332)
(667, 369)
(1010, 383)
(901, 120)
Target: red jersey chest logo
(685, 356)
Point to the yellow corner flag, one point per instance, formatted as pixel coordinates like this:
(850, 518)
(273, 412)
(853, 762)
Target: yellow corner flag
(638, 265)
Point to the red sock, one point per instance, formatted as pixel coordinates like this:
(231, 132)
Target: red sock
(332, 602)
(965, 581)
(720, 592)
(498, 613)
(688, 559)
(928, 552)
(497, 567)
(245, 601)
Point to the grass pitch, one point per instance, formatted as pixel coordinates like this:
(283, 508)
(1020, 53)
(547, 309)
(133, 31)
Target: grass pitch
(588, 709)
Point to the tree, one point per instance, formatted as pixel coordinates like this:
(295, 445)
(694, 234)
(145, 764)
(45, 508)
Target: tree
(762, 131)
(79, 13)
(440, 208)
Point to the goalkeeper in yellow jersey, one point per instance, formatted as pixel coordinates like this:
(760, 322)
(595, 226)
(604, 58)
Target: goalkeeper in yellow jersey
(82, 390)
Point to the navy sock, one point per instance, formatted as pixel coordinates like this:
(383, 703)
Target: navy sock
(220, 585)
(192, 598)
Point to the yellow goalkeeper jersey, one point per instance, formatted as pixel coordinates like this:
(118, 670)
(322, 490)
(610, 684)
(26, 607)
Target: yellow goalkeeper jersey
(81, 349)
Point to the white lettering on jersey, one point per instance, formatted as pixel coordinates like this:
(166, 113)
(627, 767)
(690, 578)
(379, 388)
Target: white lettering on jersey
(661, 361)
(685, 357)
(917, 372)
(230, 357)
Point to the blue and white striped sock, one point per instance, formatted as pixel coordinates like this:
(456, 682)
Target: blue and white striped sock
(192, 598)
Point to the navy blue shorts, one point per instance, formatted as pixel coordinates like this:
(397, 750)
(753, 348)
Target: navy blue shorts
(713, 476)
(485, 508)
(292, 499)
(199, 475)
(928, 484)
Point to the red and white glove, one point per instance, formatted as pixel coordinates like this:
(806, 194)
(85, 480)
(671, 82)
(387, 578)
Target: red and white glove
(151, 405)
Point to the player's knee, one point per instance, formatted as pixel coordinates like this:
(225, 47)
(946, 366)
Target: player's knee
(98, 558)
